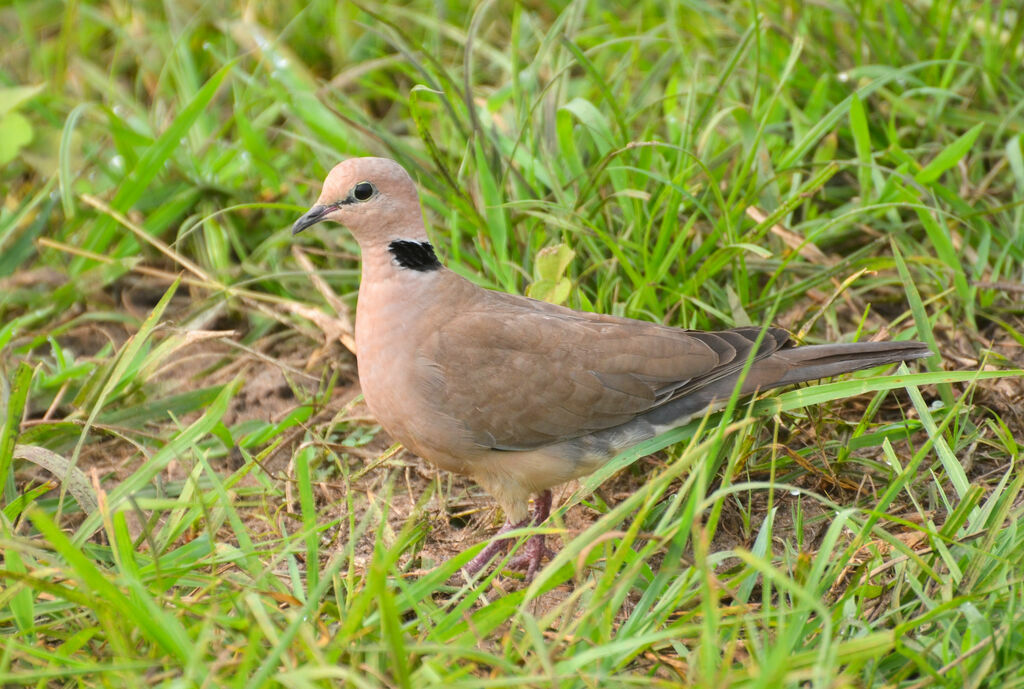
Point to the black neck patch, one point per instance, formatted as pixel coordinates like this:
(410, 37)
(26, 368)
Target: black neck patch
(414, 255)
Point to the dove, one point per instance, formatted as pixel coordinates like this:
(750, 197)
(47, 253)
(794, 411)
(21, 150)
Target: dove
(523, 395)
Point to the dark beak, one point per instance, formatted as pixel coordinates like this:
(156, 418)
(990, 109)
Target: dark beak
(312, 217)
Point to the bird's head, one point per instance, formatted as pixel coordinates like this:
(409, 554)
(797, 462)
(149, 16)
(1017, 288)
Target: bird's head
(375, 198)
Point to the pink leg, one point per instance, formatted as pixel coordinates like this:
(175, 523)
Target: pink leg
(534, 551)
(498, 545)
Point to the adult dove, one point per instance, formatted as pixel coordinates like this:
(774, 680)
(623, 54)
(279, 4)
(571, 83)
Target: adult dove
(520, 394)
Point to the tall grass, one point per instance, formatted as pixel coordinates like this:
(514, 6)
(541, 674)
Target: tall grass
(846, 170)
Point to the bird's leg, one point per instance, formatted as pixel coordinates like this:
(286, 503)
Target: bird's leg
(498, 545)
(535, 550)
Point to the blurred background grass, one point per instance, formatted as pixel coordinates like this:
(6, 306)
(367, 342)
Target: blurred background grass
(192, 494)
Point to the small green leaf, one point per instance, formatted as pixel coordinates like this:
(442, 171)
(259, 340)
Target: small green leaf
(497, 227)
(64, 158)
(554, 292)
(570, 156)
(550, 283)
(949, 156)
(21, 598)
(13, 408)
(552, 261)
(594, 121)
(15, 133)
(862, 143)
(12, 98)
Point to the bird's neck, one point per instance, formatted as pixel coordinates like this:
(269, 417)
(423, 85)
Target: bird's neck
(398, 258)
(411, 254)
(399, 278)
(401, 269)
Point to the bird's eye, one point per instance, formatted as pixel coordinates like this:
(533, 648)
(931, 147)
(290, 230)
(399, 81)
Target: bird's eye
(363, 191)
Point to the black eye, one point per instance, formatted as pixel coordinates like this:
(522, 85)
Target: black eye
(363, 191)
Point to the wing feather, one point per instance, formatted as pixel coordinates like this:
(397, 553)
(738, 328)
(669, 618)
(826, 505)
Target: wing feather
(519, 374)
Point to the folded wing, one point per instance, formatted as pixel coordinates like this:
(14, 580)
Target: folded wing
(520, 374)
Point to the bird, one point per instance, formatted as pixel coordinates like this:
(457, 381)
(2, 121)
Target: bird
(523, 395)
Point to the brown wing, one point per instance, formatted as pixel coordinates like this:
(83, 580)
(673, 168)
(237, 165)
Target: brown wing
(520, 374)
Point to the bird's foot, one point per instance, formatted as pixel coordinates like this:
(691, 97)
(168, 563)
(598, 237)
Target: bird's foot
(534, 550)
(498, 545)
(531, 557)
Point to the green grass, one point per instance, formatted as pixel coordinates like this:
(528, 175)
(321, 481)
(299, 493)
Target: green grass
(845, 170)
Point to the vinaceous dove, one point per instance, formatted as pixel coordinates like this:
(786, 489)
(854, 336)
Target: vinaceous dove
(520, 394)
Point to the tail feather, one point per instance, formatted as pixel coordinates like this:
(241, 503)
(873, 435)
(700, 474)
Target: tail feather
(786, 366)
(812, 362)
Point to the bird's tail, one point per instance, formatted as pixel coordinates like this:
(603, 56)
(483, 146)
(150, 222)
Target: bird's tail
(786, 366)
(812, 362)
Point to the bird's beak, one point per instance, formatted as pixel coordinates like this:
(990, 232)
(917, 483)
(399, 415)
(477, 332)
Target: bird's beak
(311, 217)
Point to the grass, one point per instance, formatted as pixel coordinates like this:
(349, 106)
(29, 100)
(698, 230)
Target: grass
(194, 496)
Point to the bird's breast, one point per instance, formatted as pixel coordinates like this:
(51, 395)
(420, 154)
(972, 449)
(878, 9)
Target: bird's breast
(393, 320)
